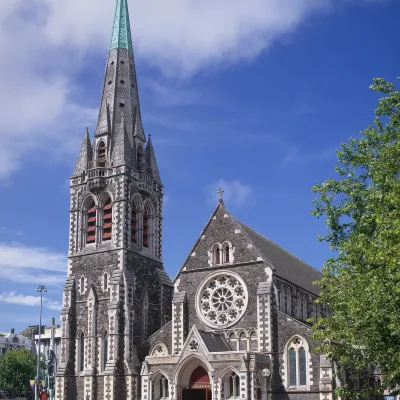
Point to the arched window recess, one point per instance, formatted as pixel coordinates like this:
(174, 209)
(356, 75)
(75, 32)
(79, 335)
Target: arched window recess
(91, 223)
(101, 154)
(107, 220)
(297, 356)
(134, 223)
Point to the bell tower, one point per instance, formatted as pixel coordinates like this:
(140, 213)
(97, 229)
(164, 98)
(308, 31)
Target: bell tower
(116, 293)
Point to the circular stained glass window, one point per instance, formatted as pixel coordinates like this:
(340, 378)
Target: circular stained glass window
(222, 299)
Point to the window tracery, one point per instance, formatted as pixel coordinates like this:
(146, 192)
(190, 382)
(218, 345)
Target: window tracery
(222, 299)
(297, 355)
(159, 350)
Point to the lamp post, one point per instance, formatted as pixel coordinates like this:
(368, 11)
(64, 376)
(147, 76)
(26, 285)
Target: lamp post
(40, 289)
(266, 373)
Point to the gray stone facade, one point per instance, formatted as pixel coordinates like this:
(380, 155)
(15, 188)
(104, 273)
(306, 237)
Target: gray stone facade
(247, 336)
(117, 293)
(233, 325)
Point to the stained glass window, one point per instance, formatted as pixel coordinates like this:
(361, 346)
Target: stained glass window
(303, 366)
(292, 367)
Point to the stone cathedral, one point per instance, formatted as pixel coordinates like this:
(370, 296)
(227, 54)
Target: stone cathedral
(232, 325)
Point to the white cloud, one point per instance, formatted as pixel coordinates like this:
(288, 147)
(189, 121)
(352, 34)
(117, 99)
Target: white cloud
(44, 43)
(235, 193)
(19, 263)
(30, 301)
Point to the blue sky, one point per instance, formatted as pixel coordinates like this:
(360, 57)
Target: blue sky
(251, 96)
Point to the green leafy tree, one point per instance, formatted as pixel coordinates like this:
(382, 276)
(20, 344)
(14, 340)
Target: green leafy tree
(361, 282)
(17, 367)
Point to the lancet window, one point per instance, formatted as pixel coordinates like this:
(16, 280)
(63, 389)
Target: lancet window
(91, 223)
(146, 228)
(107, 220)
(101, 154)
(297, 354)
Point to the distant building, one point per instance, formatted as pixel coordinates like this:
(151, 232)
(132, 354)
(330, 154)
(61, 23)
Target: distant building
(14, 341)
(50, 339)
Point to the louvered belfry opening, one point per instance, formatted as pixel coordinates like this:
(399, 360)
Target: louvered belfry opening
(107, 220)
(101, 155)
(146, 229)
(91, 224)
(134, 224)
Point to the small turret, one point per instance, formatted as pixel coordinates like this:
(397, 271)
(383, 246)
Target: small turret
(85, 155)
(151, 162)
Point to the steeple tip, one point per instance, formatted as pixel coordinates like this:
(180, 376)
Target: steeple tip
(121, 33)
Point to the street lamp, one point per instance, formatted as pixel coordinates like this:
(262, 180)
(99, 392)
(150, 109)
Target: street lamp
(266, 373)
(40, 289)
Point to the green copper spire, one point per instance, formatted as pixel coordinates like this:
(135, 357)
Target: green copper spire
(121, 33)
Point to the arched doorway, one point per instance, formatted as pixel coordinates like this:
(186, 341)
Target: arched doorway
(199, 386)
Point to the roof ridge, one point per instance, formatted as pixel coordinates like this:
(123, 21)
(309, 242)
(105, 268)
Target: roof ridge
(277, 246)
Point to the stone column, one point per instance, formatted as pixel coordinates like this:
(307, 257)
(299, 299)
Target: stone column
(178, 321)
(325, 378)
(67, 355)
(264, 316)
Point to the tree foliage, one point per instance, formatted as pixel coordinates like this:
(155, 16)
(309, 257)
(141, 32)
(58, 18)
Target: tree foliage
(17, 367)
(361, 283)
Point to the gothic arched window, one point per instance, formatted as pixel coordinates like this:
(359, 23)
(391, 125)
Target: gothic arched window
(82, 285)
(242, 341)
(91, 223)
(107, 220)
(297, 362)
(134, 223)
(234, 386)
(146, 228)
(82, 352)
(227, 254)
(105, 349)
(233, 341)
(253, 341)
(101, 154)
(217, 256)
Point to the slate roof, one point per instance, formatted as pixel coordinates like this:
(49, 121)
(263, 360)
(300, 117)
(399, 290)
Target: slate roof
(214, 342)
(287, 266)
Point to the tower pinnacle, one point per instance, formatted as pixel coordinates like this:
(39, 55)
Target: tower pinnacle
(120, 91)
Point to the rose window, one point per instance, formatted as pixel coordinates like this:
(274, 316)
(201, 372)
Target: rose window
(222, 300)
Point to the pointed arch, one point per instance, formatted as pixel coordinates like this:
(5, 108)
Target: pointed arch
(230, 383)
(105, 281)
(89, 213)
(253, 341)
(233, 341)
(297, 362)
(243, 341)
(148, 226)
(160, 385)
(136, 212)
(226, 253)
(107, 219)
(101, 154)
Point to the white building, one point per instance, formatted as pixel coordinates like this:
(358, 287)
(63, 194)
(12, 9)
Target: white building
(14, 341)
(50, 339)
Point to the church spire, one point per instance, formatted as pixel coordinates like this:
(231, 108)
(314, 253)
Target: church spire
(120, 91)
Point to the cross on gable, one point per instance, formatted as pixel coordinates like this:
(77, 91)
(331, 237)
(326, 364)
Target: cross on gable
(220, 192)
